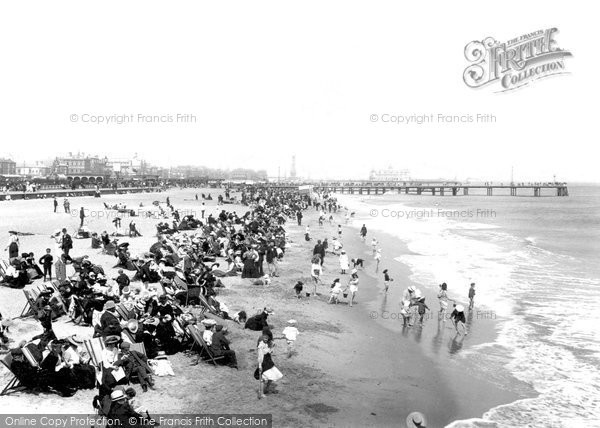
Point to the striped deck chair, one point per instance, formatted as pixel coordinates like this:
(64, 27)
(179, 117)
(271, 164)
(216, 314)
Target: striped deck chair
(207, 306)
(203, 349)
(138, 346)
(27, 353)
(13, 384)
(94, 348)
(124, 312)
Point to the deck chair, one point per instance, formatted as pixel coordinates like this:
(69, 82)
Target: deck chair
(54, 284)
(207, 306)
(13, 384)
(28, 310)
(27, 353)
(203, 349)
(94, 348)
(138, 346)
(181, 285)
(124, 312)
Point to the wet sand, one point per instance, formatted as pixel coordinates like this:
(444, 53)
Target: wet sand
(350, 370)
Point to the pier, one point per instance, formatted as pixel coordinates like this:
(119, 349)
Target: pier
(437, 189)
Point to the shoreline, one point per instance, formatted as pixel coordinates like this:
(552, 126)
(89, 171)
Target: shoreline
(347, 372)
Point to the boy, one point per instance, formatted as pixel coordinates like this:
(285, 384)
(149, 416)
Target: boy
(46, 261)
(358, 262)
(471, 295)
(298, 289)
(421, 308)
(458, 318)
(290, 333)
(386, 280)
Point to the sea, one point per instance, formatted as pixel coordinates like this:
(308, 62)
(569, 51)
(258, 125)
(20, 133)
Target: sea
(535, 264)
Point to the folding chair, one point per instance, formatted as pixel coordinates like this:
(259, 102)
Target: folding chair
(27, 353)
(204, 351)
(207, 306)
(59, 297)
(28, 310)
(94, 348)
(13, 384)
(139, 347)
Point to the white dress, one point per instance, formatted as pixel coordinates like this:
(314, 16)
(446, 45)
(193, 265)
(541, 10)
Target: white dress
(273, 374)
(344, 262)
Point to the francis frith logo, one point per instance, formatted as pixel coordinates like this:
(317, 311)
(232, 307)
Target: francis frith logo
(514, 63)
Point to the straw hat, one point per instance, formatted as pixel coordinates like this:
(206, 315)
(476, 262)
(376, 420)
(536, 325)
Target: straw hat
(269, 311)
(112, 340)
(133, 326)
(416, 420)
(117, 395)
(110, 304)
(291, 322)
(411, 288)
(460, 308)
(75, 340)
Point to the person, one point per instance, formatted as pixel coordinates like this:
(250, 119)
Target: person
(109, 323)
(60, 268)
(67, 206)
(46, 261)
(134, 362)
(458, 318)
(290, 333)
(121, 413)
(421, 308)
(299, 217)
(66, 243)
(336, 289)
(298, 289)
(339, 231)
(81, 216)
(133, 231)
(122, 280)
(315, 272)
(377, 259)
(344, 262)
(220, 346)
(266, 371)
(13, 246)
(386, 280)
(258, 322)
(55, 204)
(374, 245)
(363, 233)
(357, 262)
(472, 295)
(353, 288)
(443, 299)
(271, 256)
(307, 233)
(405, 312)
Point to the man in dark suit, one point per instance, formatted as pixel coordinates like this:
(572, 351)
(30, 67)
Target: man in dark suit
(109, 323)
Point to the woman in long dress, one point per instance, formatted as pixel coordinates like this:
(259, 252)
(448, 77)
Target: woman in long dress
(269, 374)
(315, 272)
(443, 299)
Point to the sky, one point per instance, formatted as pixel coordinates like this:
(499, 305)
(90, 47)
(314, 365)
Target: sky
(266, 80)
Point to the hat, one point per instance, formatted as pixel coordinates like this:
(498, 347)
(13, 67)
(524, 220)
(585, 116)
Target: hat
(411, 288)
(125, 291)
(111, 339)
(416, 420)
(110, 304)
(269, 311)
(418, 294)
(75, 340)
(460, 308)
(292, 322)
(140, 306)
(151, 321)
(132, 326)
(167, 318)
(47, 308)
(117, 395)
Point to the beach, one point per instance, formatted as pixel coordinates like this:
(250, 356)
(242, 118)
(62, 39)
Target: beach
(354, 366)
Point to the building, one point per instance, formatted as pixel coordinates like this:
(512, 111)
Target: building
(81, 167)
(389, 174)
(242, 174)
(7, 167)
(38, 169)
(127, 167)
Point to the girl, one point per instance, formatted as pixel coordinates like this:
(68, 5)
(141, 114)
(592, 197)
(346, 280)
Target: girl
(336, 289)
(266, 371)
(443, 299)
(353, 287)
(386, 280)
(344, 263)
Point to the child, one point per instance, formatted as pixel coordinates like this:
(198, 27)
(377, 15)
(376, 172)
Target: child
(336, 289)
(357, 262)
(374, 245)
(339, 231)
(307, 234)
(386, 280)
(458, 318)
(46, 261)
(298, 289)
(421, 308)
(472, 295)
(331, 219)
(290, 333)
(405, 311)
(377, 259)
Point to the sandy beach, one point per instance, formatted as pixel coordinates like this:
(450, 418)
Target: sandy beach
(354, 366)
